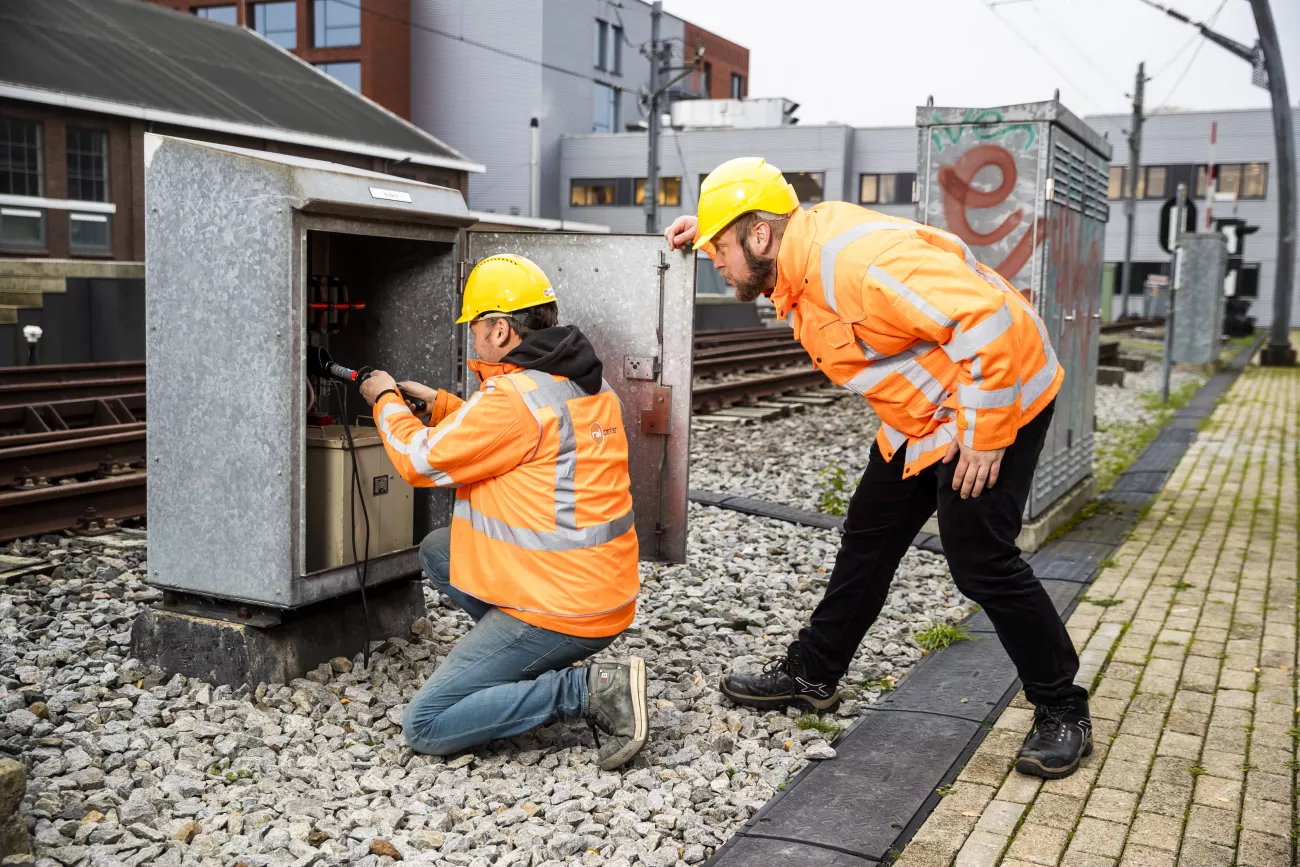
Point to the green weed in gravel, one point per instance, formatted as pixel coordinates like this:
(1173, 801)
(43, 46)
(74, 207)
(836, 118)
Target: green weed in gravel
(941, 635)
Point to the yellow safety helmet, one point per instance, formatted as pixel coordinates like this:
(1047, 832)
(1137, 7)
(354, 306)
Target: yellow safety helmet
(504, 283)
(737, 187)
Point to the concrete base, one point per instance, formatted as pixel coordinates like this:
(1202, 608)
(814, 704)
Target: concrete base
(1034, 534)
(181, 640)
(1281, 356)
(1110, 375)
(1132, 363)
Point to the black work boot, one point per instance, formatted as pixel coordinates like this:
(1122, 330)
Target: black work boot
(782, 683)
(1060, 739)
(616, 705)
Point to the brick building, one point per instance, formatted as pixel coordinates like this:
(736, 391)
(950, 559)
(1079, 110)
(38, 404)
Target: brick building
(725, 66)
(81, 83)
(366, 44)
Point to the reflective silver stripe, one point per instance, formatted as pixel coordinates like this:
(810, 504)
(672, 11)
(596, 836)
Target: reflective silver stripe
(424, 441)
(965, 344)
(556, 394)
(894, 436)
(974, 397)
(868, 352)
(925, 308)
(969, 437)
(831, 251)
(905, 365)
(1040, 381)
(561, 539)
(965, 251)
(945, 434)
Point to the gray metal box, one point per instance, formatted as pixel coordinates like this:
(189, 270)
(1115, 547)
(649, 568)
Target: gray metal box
(231, 238)
(1025, 187)
(1198, 307)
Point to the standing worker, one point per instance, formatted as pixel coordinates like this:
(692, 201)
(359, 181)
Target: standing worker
(542, 549)
(959, 368)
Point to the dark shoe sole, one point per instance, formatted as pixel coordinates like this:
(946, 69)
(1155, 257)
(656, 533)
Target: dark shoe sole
(637, 680)
(825, 705)
(1035, 768)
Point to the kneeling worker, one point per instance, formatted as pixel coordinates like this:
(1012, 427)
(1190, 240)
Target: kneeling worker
(542, 549)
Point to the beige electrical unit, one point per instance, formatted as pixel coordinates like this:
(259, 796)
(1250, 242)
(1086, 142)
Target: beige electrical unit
(331, 491)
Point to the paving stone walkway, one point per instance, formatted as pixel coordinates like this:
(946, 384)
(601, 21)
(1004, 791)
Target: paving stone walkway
(1188, 643)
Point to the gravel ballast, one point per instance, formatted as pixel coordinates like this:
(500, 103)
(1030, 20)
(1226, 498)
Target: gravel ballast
(129, 769)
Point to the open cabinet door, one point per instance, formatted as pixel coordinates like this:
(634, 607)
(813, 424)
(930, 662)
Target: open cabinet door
(634, 301)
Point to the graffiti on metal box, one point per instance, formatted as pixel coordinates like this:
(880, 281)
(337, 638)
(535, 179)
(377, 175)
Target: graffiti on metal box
(980, 123)
(960, 194)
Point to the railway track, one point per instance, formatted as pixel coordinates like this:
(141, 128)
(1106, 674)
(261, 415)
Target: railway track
(72, 447)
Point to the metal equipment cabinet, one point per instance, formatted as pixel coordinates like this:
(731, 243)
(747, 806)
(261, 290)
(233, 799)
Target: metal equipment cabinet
(1025, 187)
(233, 237)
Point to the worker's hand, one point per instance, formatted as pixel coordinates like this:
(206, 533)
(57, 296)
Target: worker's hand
(375, 383)
(976, 470)
(419, 390)
(682, 232)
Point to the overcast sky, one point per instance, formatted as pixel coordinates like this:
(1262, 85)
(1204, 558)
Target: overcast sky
(871, 62)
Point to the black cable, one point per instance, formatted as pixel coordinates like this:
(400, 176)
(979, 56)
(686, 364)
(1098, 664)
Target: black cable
(362, 564)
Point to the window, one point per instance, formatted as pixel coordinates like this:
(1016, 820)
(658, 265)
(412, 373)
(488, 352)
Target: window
(1115, 188)
(22, 227)
(738, 87)
(588, 192)
(706, 80)
(605, 108)
(670, 191)
(336, 23)
(602, 44)
(20, 157)
(616, 50)
(1250, 180)
(278, 22)
(887, 189)
(1152, 182)
(808, 185)
(89, 232)
(220, 14)
(87, 165)
(347, 73)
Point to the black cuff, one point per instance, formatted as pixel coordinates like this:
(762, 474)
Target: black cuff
(391, 391)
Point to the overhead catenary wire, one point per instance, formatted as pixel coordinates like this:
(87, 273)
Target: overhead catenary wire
(353, 4)
(1034, 48)
(1192, 61)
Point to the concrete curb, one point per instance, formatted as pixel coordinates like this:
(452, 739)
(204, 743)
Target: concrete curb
(863, 806)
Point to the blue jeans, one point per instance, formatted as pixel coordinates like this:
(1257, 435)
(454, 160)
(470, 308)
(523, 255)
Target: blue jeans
(504, 678)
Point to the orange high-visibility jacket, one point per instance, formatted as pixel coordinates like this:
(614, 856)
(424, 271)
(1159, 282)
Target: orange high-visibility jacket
(902, 314)
(543, 525)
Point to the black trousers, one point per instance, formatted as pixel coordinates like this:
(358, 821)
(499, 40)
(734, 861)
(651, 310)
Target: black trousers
(979, 541)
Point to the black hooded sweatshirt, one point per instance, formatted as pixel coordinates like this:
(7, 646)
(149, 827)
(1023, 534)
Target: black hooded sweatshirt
(563, 351)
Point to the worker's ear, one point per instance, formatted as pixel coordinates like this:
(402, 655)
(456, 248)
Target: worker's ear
(501, 332)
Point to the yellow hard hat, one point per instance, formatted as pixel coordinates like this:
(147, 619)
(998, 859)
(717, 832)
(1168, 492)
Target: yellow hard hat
(737, 187)
(504, 283)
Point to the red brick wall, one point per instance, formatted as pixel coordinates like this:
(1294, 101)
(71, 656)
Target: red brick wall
(126, 172)
(723, 56)
(384, 52)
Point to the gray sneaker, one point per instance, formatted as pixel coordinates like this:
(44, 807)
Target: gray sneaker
(616, 705)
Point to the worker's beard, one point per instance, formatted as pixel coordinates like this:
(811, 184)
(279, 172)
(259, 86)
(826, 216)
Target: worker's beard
(759, 278)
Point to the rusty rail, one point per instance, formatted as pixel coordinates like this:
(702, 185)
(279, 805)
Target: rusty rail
(30, 393)
(716, 396)
(64, 415)
(772, 357)
(45, 461)
(52, 373)
(50, 509)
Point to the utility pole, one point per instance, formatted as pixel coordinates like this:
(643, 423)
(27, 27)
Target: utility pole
(1266, 59)
(659, 54)
(1279, 352)
(1130, 187)
(652, 170)
(1176, 228)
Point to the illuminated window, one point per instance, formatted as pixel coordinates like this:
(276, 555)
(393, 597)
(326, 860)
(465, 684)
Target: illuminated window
(591, 191)
(808, 185)
(670, 191)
